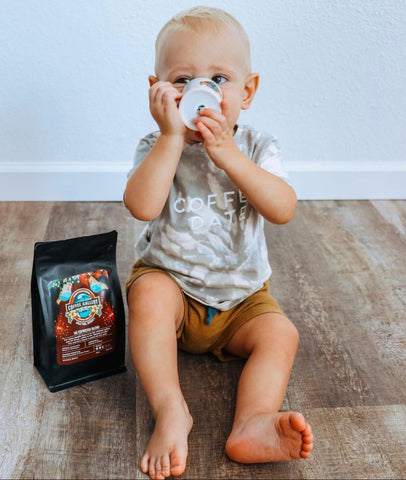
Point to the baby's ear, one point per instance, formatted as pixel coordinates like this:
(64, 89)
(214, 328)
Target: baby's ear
(152, 79)
(251, 86)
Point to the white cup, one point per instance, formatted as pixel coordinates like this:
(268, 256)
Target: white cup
(197, 94)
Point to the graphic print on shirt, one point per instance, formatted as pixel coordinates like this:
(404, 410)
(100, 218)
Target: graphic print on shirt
(215, 209)
(208, 237)
(210, 224)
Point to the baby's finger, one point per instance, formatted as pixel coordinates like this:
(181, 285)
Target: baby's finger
(218, 125)
(160, 92)
(218, 117)
(214, 127)
(155, 89)
(212, 113)
(167, 94)
(154, 96)
(206, 133)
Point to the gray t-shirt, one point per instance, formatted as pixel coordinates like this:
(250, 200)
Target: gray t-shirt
(208, 237)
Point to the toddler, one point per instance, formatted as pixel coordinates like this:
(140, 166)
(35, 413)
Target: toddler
(201, 283)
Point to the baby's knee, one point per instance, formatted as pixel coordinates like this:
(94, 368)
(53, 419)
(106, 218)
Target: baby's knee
(148, 290)
(288, 336)
(285, 333)
(153, 295)
(269, 329)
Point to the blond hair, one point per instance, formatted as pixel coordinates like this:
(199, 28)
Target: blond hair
(201, 18)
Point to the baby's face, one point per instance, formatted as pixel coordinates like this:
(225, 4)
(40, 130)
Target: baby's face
(184, 55)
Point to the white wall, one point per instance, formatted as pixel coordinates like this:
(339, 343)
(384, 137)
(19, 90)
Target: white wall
(73, 92)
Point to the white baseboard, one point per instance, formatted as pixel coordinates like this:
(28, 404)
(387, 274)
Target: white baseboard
(55, 182)
(106, 181)
(348, 180)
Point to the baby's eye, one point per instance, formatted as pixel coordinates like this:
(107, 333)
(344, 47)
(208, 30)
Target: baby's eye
(182, 80)
(219, 79)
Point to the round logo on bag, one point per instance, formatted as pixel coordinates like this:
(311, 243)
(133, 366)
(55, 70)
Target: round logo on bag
(83, 305)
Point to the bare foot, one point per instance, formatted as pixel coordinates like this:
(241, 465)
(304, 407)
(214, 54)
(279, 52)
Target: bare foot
(271, 438)
(167, 449)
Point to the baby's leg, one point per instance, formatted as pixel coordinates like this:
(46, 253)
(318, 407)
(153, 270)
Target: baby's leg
(260, 433)
(156, 310)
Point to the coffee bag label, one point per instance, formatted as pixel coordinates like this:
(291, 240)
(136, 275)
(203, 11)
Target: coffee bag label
(85, 325)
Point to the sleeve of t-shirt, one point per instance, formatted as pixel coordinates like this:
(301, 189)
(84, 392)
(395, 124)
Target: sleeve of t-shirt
(267, 155)
(142, 151)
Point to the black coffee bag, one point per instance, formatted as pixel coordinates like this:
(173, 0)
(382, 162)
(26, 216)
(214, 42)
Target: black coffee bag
(77, 310)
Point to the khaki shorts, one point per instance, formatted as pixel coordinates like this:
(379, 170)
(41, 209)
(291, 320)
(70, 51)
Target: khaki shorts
(195, 335)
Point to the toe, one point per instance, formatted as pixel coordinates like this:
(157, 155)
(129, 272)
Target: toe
(165, 466)
(178, 464)
(307, 430)
(304, 454)
(158, 470)
(297, 422)
(153, 472)
(307, 447)
(308, 438)
(151, 468)
(145, 463)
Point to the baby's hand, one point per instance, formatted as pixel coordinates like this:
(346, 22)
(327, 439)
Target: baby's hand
(163, 104)
(217, 135)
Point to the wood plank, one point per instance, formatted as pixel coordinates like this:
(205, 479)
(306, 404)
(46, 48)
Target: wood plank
(339, 274)
(394, 213)
(324, 280)
(22, 224)
(351, 442)
(86, 431)
(362, 442)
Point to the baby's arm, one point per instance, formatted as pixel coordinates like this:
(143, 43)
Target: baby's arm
(148, 187)
(269, 194)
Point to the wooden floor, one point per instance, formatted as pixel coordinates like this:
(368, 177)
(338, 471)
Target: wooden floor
(339, 274)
